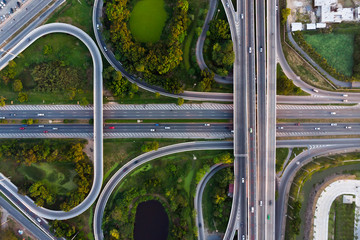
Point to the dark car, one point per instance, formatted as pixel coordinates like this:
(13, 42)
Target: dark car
(270, 202)
(11, 10)
(18, 4)
(4, 1)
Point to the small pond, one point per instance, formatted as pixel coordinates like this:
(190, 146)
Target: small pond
(151, 221)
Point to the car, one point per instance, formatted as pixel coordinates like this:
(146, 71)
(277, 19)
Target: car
(20, 232)
(270, 202)
(207, 124)
(252, 209)
(167, 127)
(41, 126)
(22, 128)
(55, 128)
(242, 180)
(268, 216)
(199, 225)
(40, 114)
(250, 51)
(317, 128)
(24, 125)
(97, 26)
(250, 130)
(29, 39)
(105, 49)
(38, 219)
(333, 113)
(227, 4)
(261, 49)
(46, 131)
(276, 7)
(2, 117)
(242, 16)
(260, 203)
(333, 124)
(18, 4)
(280, 127)
(156, 124)
(112, 127)
(297, 124)
(348, 127)
(152, 130)
(345, 100)
(315, 90)
(297, 163)
(232, 131)
(243, 237)
(344, 95)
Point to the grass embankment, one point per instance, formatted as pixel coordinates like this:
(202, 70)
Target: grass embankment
(284, 86)
(313, 174)
(296, 151)
(172, 180)
(341, 221)
(281, 154)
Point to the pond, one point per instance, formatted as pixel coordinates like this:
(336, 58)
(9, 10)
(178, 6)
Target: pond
(151, 221)
(147, 20)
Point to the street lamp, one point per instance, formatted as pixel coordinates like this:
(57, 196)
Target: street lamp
(217, 13)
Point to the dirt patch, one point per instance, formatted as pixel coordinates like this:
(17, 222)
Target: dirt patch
(89, 149)
(4, 216)
(313, 197)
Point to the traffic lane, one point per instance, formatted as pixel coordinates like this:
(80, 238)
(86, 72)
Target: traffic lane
(318, 113)
(119, 114)
(331, 127)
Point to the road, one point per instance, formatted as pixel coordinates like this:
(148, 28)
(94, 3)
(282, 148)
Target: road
(98, 114)
(198, 198)
(289, 173)
(136, 162)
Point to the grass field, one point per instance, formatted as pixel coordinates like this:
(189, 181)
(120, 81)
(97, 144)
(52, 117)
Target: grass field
(58, 176)
(344, 220)
(336, 48)
(147, 20)
(296, 151)
(281, 154)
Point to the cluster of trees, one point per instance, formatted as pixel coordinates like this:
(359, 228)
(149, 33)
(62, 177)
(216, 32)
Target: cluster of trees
(219, 47)
(62, 229)
(154, 62)
(299, 37)
(225, 158)
(207, 80)
(55, 76)
(9, 72)
(356, 56)
(24, 152)
(285, 14)
(294, 219)
(119, 86)
(284, 86)
(150, 146)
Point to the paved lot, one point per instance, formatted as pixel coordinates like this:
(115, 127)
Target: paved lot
(330, 193)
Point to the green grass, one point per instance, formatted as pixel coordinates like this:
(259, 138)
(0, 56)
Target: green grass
(281, 154)
(147, 20)
(187, 47)
(188, 179)
(58, 176)
(296, 151)
(336, 48)
(344, 220)
(331, 226)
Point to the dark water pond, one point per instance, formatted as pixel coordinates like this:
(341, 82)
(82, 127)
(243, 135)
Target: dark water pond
(151, 221)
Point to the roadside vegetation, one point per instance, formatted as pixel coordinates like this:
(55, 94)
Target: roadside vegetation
(311, 175)
(46, 67)
(281, 154)
(343, 219)
(57, 174)
(172, 180)
(284, 86)
(216, 202)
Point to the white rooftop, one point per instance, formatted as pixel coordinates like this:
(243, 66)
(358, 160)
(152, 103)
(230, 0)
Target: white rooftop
(310, 26)
(296, 26)
(331, 11)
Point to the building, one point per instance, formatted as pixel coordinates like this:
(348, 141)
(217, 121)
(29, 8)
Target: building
(310, 26)
(296, 26)
(332, 12)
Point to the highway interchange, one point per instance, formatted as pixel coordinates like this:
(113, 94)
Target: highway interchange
(254, 102)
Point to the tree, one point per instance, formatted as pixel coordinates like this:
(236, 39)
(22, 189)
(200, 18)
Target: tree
(180, 101)
(119, 85)
(47, 49)
(224, 158)
(284, 15)
(17, 86)
(22, 97)
(219, 30)
(9, 72)
(114, 233)
(207, 81)
(30, 121)
(2, 101)
(157, 95)
(84, 102)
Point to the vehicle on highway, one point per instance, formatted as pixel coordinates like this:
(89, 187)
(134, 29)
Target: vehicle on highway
(315, 90)
(250, 130)
(152, 130)
(260, 203)
(270, 202)
(40, 114)
(250, 50)
(243, 237)
(345, 100)
(333, 124)
(261, 49)
(268, 216)
(41, 126)
(227, 4)
(348, 127)
(112, 127)
(156, 124)
(55, 128)
(232, 131)
(252, 209)
(242, 180)
(97, 26)
(297, 163)
(242, 16)
(207, 124)
(38, 219)
(22, 128)
(29, 39)
(276, 7)
(46, 131)
(24, 125)
(280, 127)
(317, 128)
(105, 49)
(344, 95)
(167, 127)
(2, 117)
(333, 113)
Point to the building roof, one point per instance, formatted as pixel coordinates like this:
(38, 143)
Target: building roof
(296, 26)
(321, 25)
(310, 26)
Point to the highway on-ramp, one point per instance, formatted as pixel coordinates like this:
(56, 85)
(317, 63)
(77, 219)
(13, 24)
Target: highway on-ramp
(98, 114)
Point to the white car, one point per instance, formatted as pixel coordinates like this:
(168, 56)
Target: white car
(333, 113)
(317, 128)
(105, 49)
(252, 209)
(250, 51)
(280, 127)
(242, 16)
(344, 100)
(261, 49)
(41, 114)
(152, 130)
(333, 124)
(348, 127)
(227, 4)
(38, 219)
(167, 127)
(315, 90)
(207, 124)
(97, 26)
(344, 95)
(55, 128)
(242, 180)
(260, 203)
